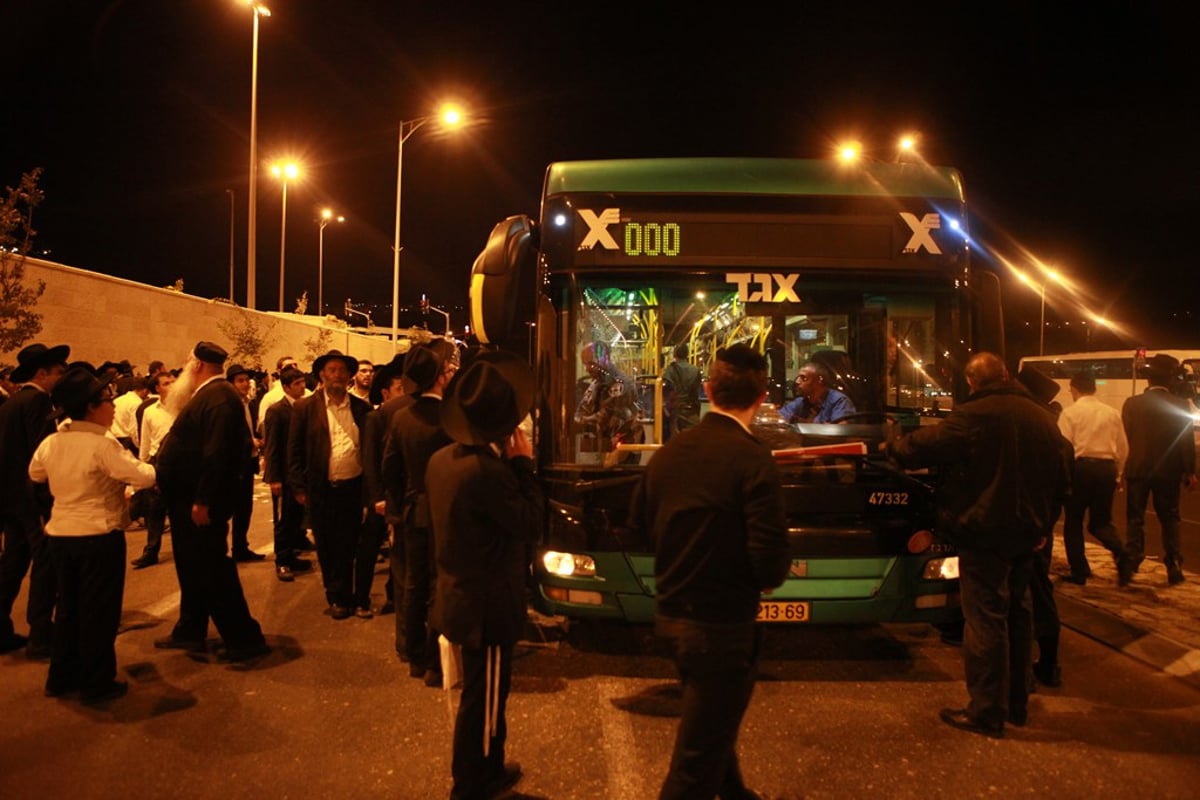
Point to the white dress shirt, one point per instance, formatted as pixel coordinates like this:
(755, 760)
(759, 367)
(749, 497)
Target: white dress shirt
(87, 471)
(345, 462)
(156, 421)
(1095, 430)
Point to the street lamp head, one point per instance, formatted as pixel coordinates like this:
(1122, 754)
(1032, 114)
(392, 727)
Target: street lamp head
(285, 170)
(258, 8)
(451, 115)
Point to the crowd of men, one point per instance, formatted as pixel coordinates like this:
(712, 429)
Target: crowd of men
(355, 453)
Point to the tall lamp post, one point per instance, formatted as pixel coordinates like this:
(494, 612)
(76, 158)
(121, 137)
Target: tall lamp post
(1047, 274)
(257, 10)
(449, 117)
(283, 172)
(230, 193)
(326, 217)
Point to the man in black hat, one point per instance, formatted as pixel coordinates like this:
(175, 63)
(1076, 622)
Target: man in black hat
(1162, 458)
(710, 500)
(239, 377)
(325, 473)
(198, 467)
(25, 420)
(414, 434)
(486, 507)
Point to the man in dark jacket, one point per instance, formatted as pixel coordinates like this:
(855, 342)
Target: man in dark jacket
(1004, 479)
(486, 508)
(1162, 458)
(711, 502)
(25, 420)
(198, 467)
(325, 472)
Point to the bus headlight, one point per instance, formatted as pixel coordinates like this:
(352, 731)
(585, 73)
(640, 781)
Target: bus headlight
(568, 564)
(941, 569)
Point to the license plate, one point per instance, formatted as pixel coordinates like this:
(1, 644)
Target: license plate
(778, 611)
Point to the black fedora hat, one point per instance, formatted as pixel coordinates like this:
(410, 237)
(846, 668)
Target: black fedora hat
(422, 366)
(37, 356)
(485, 402)
(76, 389)
(350, 361)
(235, 370)
(1162, 365)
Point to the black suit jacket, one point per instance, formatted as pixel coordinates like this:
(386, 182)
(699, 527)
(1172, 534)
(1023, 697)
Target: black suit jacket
(205, 451)
(275, 441)
(414, 435)
(309, 444)
(24, 423)
(378, 423)
(1158, 425)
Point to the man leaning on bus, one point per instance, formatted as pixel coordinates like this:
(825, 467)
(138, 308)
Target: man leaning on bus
(1006, 479)
(710, 500)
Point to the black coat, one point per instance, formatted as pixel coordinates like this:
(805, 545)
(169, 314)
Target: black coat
(24, 423)
(374, 446)
(1162, 445)
(414, 435)
(309, 444)
(711, 502)
(1005, 470)
(204, 453)
(487, 511)
(275, 441)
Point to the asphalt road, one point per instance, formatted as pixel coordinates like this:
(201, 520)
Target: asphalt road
(331, 713)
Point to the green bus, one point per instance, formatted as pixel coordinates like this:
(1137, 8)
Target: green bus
(863, 268)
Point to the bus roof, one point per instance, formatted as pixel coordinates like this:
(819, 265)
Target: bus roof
(753, 176)
(1182, 353)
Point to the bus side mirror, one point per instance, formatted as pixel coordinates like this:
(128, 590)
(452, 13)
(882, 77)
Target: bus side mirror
(503, 283)
(987, 318)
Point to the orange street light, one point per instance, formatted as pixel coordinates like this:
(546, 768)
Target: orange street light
(283, 171)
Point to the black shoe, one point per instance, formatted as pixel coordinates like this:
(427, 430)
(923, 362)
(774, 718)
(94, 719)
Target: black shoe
(415, 670)
(13, 642)
(38, 651)
(187, 645)
(239, 654)
(362, 612)
(959, 718)
(1125, 570)
(247, 555)
(1078, 580)
(339, 612)
(144, 561)
(1048, 675)
(284, 573)
(60, 689)
(300, 565)
(433, 679)
(306, 544)
(505, 780)
(112, 691)
(1175, 577)
(1018, 718)
(388, 607)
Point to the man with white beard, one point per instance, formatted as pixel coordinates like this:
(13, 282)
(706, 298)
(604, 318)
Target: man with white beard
(198, 465)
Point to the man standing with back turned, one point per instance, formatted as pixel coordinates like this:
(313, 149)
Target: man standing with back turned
(1004, 481)
(710, 501)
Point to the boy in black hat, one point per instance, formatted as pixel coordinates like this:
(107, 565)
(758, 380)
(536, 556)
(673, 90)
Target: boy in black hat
(25, 420)
(486, 509)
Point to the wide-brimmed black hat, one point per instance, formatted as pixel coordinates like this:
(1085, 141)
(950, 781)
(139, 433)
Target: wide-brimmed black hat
(350, 361)
(235, 370)
(383, 377)
(77, 388)
(38, 356)
(1162, 366)
(485, 402)
(422, 366)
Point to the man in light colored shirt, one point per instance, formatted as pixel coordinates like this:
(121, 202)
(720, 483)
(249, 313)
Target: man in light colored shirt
(275, 393)
(156, 421)
(325, 474)
(1098, 437)
(124, 425)
(361, 388)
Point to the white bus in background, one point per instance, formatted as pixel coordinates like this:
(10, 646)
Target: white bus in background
(1118, 373)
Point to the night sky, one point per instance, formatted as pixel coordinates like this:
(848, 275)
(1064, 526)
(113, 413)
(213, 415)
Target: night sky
(1075, 126)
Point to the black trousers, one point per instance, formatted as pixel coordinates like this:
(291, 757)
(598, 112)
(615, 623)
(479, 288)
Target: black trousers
(243, 508)
(396, 578)
(91, 580)
(420, 640)
(1092, 492)
(1165, 494)
(209, 585)
(996, 641)
(717, 664)
(337, 522)
(154, 510)
(471, 769)
(288, 517)
(26, 550)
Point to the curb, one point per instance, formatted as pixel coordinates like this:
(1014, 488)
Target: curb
(1149, 647)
